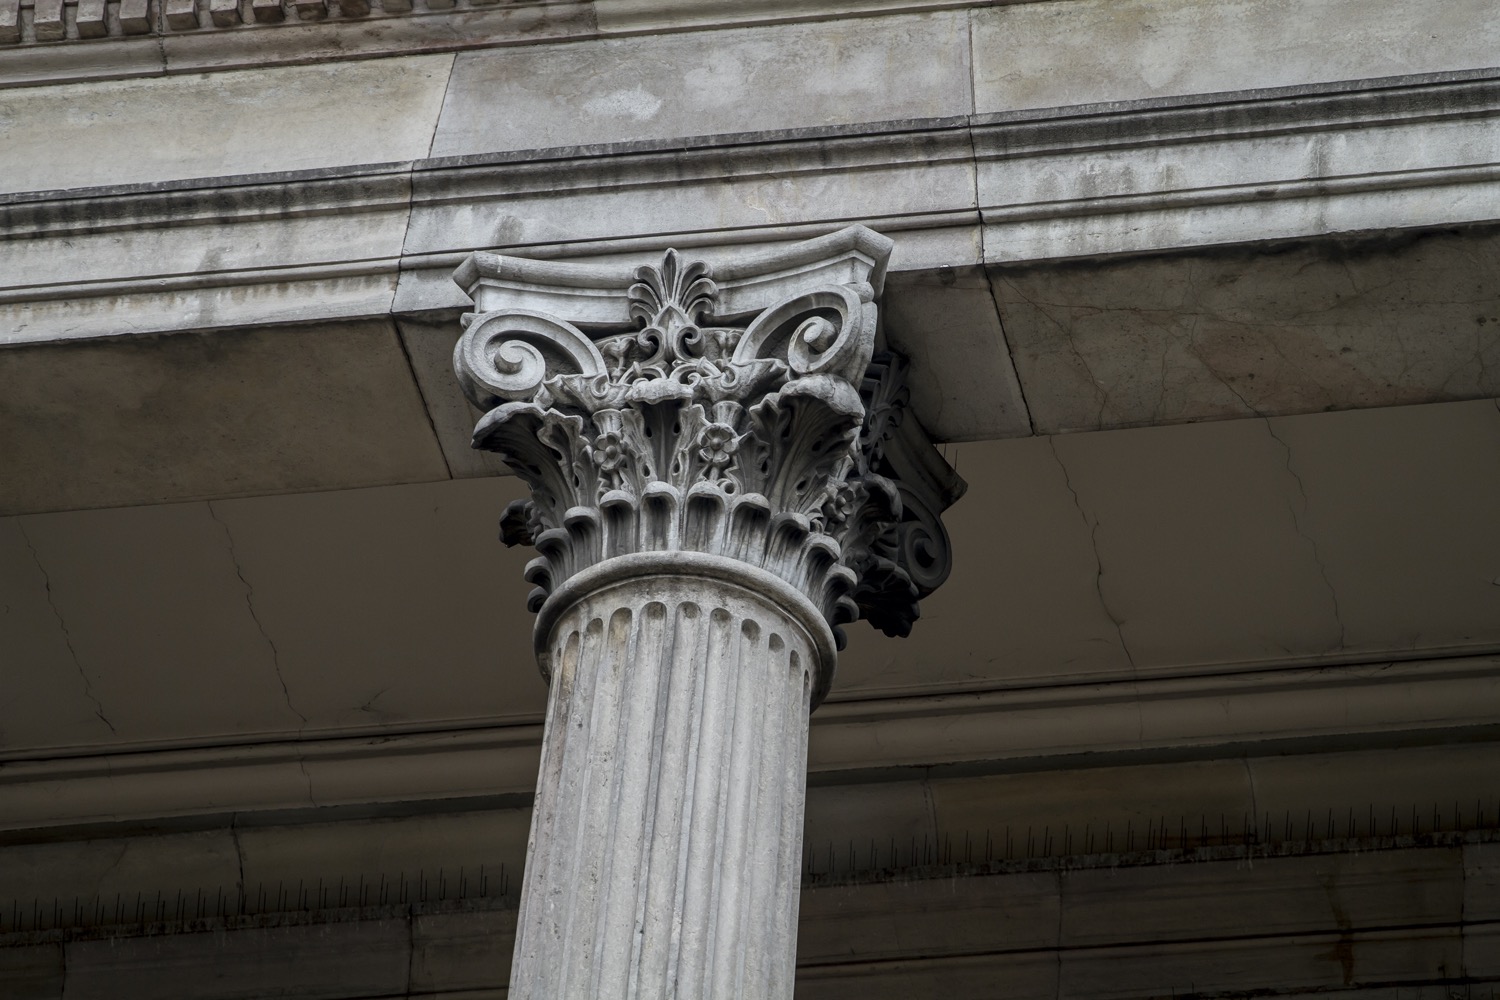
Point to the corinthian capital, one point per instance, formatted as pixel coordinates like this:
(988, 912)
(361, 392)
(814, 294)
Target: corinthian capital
(743, 410)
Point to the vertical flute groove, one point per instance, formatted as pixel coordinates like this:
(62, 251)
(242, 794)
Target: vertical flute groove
(659, 842)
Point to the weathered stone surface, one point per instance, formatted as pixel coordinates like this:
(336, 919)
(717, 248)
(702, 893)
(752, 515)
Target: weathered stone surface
(1363, 476)
(194, 415)
(32, 972)
(1092, 810)
(1021, 976)
(461, 951)
(309, 250)
(222, 124)
(280, 605)
(316, 962)
(1408, 791)
(429, 346)
(1019, 912)
(143, 652)
(614, 90)
(1295, 895)
(1239, 967)
(109, 876)
(1220, 334)
(405, 858)
(1240, 171)
(962, 379)
(1027, 55)
(629, 204)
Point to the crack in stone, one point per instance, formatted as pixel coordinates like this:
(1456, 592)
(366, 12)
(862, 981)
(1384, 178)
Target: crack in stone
(62, 625)
(250, 606)
(1254, 803)
(1066, 330)
(302, 766)
(239, 857)
(99, 885)
(1010, 351)
(1214, 372)
(1093, 526)
(369, 703)
(1311, 542)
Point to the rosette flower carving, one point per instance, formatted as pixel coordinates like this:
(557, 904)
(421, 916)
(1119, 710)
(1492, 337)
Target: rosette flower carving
(780, 439)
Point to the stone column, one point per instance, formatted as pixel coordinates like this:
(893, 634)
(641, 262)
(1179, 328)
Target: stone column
(721, 476)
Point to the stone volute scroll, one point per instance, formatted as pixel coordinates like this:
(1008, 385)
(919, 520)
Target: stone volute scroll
(723, 474)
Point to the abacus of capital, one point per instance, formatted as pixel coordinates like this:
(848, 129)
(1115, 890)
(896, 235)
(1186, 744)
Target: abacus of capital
(723, 473)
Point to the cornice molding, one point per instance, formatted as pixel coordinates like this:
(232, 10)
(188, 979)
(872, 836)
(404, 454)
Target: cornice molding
(973, 203)
(61, 41)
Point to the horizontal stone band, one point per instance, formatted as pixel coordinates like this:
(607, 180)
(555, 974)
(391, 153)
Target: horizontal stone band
(719, 570)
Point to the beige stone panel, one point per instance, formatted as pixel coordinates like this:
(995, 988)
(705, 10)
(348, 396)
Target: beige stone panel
(1440, 200)
(1029, 55)
(1482, 885)
(1482, 950)
(963, 385)
(1093, 810)
(119, 790)
(1257, 965)
(926, 918)
(429, 345)
(367, 958)
(196, 415)
(208, 125)
(119, 873)
(771, 195)
(1023, 565)
(33, 972)
(1012, 976)
(845, 826)
(375, 37)
(1402, 502)
(1202, 559)
(1208, 162)
(1319, 703)
(160, 621)
(706, 83)
(393, 607)
(667, 15)
(45, 690)
(153, 249)
(1407, 791)
(189, 303)
(1275, 896)
(462, 951)
(1224, 333)
(432, 855)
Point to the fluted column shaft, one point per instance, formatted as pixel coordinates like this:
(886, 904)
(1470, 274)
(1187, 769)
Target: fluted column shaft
(722, 474)
(666, 838)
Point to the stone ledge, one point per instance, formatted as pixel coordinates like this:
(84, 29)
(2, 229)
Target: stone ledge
(952, 192)
(1348, 921)
(1174, 719)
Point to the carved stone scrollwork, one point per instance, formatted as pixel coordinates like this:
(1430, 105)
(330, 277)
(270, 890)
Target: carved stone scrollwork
(775, 435)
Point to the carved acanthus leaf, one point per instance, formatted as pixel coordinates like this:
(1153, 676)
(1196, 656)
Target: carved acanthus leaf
(781, 442)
